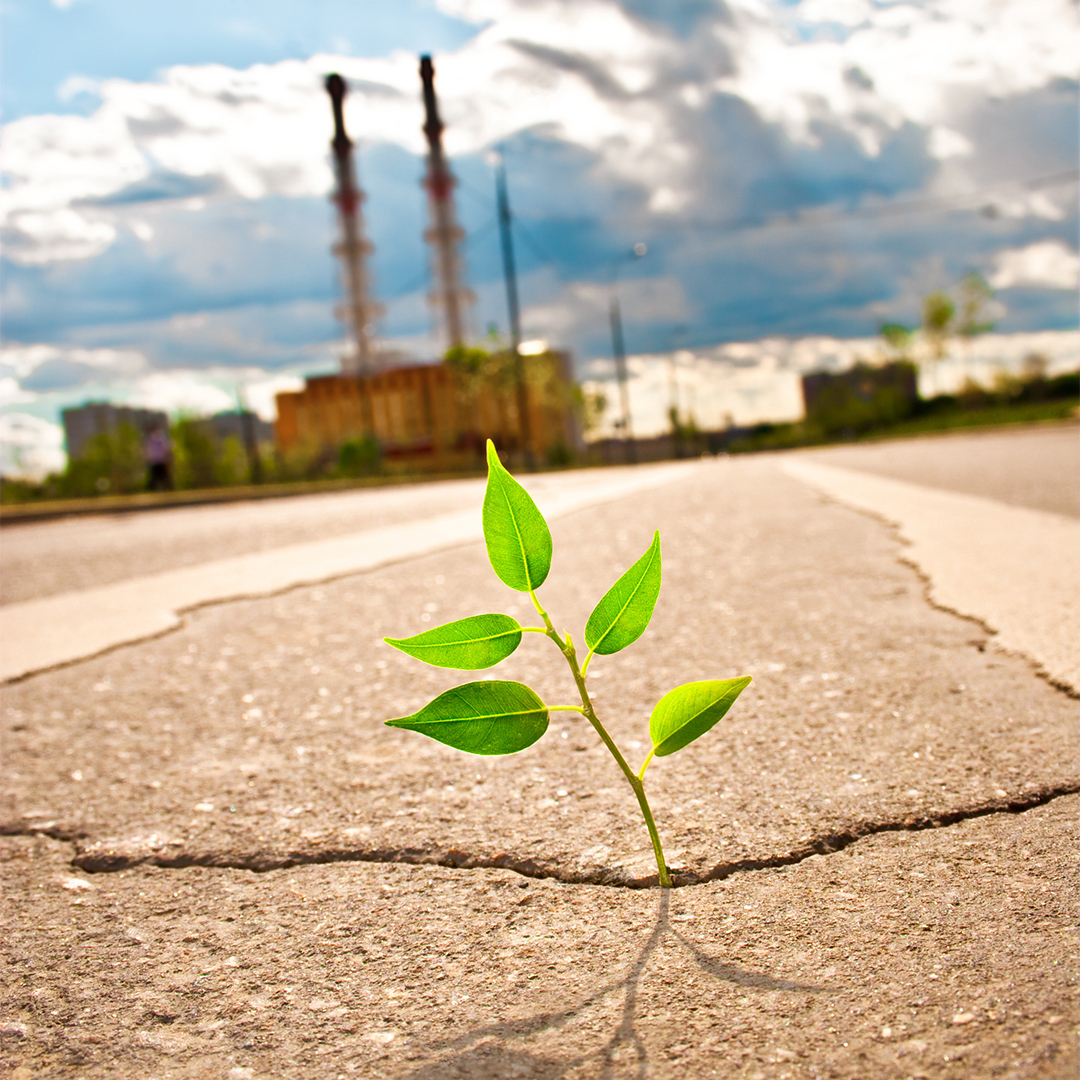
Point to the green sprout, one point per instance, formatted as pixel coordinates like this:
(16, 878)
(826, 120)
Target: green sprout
(502, 717)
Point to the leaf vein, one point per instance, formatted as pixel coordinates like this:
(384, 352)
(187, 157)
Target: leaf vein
(629, 599)
(503, 490)
(457, 641)
(477, 716)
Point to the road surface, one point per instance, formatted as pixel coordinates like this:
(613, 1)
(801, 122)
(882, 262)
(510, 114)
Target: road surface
(220, 862)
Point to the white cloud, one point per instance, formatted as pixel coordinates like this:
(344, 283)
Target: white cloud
(897, 63)
(585, 69)
(1029, 204)
(213, 390)
(849, 13)
(23, 360)
(1049, 264)
(143, 230)
(754, 381)
(30, 447)
(259, 393)
(580, 305)
(59, 234)
(74, 85)
(181, 392)
(582, 71)
(13, 394)
(946, 143)
(746, 382)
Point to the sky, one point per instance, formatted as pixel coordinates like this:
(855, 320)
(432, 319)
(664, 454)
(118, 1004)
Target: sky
(796, 169)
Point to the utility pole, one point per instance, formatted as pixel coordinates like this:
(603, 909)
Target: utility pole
(514, 309)
(619, 351)
(615, 315)
(445, 234)
(358, 311)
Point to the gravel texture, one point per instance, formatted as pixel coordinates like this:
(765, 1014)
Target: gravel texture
(940, 954)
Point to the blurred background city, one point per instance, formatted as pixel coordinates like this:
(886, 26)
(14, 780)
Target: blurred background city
(252, 243)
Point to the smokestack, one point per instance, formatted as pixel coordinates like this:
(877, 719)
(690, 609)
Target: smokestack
(445, 234)
(359, 311)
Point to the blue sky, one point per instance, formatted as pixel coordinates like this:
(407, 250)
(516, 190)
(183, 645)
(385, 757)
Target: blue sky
(799, 168)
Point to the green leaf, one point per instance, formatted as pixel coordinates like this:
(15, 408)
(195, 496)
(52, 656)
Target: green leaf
(687, 712)
(517, 536)
(626, 608)
(481, 718)
(479, 641)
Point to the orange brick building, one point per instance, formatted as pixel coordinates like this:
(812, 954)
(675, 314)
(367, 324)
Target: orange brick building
(430, 416)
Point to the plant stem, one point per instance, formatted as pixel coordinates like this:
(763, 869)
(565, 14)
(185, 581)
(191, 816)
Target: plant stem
(645, 764)
(567, 649)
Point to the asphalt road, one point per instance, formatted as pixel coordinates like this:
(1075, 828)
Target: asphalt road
(220, 861)
(1037, 467)
(42, 559)
(1032, 467)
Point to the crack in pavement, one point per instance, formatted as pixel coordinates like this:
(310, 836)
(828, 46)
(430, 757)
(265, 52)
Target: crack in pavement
(106, 860)
(969, 549)
(906, 558)
(51, 632)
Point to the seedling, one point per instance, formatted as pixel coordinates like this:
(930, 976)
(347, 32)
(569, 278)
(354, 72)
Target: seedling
(501, 717)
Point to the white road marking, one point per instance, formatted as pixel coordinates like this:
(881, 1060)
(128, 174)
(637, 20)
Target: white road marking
(39, 634)
(1014, 569)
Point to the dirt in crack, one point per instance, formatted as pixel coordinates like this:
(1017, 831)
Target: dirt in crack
(107, 860)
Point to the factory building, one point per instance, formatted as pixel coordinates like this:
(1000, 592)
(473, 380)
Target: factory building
(102, 418)
(431, 416)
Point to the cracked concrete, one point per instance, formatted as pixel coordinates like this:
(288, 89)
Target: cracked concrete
(877, 728)
(98, 860)
(946, 953)
(55, 627)
(1035, 613)
(867, 706)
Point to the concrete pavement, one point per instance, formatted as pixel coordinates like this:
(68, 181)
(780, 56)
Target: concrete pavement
(1036, 466)
(56, 624)
(221, 864)
(948, 953)
(1014, 569)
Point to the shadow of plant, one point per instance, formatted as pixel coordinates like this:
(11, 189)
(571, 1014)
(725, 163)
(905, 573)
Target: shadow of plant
(482, 1055)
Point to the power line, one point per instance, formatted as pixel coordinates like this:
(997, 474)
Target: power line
(942, 202)
(423, 278)
(815, 216)
(897, 208)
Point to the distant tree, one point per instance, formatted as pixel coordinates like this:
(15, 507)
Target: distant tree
(898, 340)
(358, 457)
(231, 462)
(944, 318)
(938, 311)
(111, 463)
(194, 455)
(594, 404)
(976, 302)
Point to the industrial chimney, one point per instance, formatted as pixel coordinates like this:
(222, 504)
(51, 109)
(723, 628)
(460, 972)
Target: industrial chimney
(445, 234)
(358, 312)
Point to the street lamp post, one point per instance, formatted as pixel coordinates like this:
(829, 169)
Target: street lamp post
(618, 350)
(514, 309)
